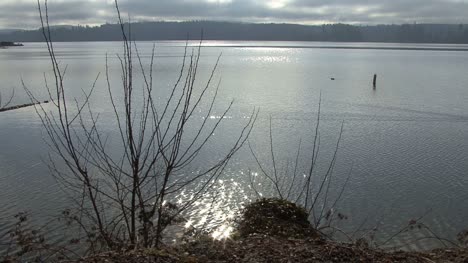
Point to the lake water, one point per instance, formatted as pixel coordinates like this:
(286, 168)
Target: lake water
(404, 143)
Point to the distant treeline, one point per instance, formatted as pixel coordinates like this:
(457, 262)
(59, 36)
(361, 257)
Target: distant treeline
(407, 33)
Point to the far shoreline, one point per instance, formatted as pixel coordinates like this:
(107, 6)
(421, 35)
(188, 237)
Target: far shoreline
(305, 44)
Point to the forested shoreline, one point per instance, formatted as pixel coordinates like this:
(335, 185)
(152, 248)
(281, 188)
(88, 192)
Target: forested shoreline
(211, 30)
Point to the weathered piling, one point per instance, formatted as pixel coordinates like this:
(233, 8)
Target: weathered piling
(374, 82)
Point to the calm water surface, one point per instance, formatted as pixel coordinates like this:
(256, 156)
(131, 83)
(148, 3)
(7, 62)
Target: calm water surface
(406, 141)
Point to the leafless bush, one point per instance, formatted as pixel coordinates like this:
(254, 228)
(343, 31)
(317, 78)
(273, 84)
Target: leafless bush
(123, 199)
(462, 238)
(6, 101)
(424, 231)
(313, 193)
(27, 241)
(304, 188)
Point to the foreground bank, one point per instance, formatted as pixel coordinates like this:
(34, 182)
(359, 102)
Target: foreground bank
(272, 230)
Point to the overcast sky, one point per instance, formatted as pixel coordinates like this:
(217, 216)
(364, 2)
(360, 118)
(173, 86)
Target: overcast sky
(23, 13)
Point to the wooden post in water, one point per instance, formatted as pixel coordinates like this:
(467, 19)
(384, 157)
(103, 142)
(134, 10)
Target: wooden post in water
(374, 82)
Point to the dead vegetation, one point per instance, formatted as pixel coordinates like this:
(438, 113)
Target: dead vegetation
(270, 230)
(276, 217)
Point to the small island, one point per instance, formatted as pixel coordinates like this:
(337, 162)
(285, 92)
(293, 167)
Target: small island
(10, 44)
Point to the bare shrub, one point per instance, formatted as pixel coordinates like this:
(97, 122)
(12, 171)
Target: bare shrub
(303, 187)
(6, 101)
(123, 198)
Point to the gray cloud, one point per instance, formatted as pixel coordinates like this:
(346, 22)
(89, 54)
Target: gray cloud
(24, 14)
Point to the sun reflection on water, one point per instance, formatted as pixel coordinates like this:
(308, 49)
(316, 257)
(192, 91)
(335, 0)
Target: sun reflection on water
(216, 211)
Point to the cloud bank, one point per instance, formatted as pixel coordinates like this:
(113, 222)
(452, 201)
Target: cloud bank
(24, 13)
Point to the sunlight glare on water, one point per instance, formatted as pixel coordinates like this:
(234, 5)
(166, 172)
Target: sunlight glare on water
(216, 210)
